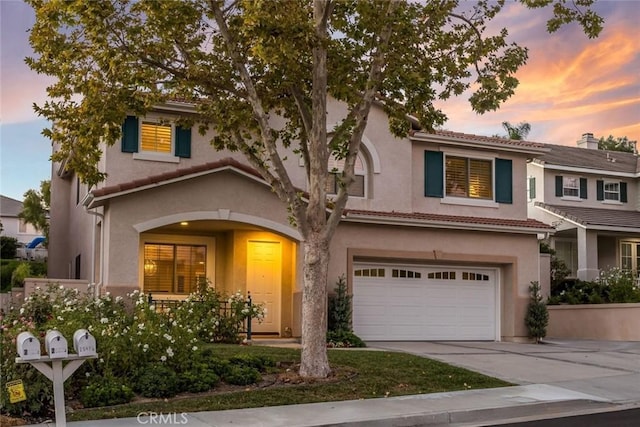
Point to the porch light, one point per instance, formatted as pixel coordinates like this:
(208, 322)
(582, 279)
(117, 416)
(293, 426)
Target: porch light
(150, 267)
(184, 223)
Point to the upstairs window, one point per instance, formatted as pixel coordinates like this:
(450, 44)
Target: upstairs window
(155, 137)
(611, 191)
(357, 187)
(482, 181)
(469, 178)
(570, 187)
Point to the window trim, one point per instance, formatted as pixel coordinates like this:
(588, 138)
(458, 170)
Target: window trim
(635, 254)
(364, 174)
(169, 239)
(616, 201)
(156, 156)
(565, 187)
(465, 200)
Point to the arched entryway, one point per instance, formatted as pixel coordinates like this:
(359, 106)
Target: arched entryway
(235, 252)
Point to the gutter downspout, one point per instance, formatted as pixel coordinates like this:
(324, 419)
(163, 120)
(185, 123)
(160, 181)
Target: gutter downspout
(85, 202)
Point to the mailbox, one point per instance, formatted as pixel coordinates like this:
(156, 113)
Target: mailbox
(84, 343)
(55, 345)
(28, 346)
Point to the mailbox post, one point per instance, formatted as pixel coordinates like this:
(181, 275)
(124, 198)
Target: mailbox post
(51, 366)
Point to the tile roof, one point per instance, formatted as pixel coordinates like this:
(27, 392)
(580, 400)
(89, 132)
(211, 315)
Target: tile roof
(177, 173)
(429, 217)
(595, 216)
(489, 139)
(611, 161)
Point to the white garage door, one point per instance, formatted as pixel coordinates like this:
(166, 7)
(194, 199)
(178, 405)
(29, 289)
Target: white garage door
(402, 303)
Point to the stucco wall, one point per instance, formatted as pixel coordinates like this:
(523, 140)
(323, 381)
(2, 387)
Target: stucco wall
(462, 206)
(515, 256)
(616, 322)
(591, 200)
(71, 230)
(187, 200)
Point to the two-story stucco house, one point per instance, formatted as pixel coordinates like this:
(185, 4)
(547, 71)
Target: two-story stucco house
(12, 226)
(591, 197)
(435, 242)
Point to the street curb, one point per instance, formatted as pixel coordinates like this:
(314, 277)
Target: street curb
(483, 417)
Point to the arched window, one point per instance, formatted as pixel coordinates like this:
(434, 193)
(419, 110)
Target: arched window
(357, 187)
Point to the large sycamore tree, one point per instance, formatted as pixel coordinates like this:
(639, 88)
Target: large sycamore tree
(242, 63)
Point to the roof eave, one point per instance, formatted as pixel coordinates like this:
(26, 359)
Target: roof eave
(96, 201)
(575, 169)
(464, 142)
(409, 222)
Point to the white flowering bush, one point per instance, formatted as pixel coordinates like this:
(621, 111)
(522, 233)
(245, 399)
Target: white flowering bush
(214, 318)
(134, 340)
(613, 285)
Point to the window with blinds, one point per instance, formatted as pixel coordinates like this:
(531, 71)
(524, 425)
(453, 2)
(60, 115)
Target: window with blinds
(170, 268)
(570, 186)
(469, 178)
(336, 166)
(155, 137)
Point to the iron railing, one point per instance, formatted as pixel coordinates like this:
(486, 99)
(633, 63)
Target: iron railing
(165, 305)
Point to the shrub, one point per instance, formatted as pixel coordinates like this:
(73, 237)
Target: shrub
(211, 320)
(198, 379)
(105, 392)
(242, 375)
(611, 286)
(340, 307)
(339, 333)
(38, 268)
(156, 380)
(343, 339)
(537, 317)
(8, 247)
(253, 361)
(6, 271)
(619, 286)
(221, 367)
(22, 271)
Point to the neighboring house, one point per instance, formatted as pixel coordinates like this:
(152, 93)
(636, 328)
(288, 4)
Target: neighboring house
(12, 226)
(591, 197)
(435, 242)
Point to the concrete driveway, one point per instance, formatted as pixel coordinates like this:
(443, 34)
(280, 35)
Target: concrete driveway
(575, 364)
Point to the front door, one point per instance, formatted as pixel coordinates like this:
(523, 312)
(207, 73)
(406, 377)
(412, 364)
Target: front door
(264, 268)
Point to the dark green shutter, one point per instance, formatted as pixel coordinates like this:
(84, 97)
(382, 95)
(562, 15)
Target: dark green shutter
(583, 188)
(532, 188)
(433, 174)
(623, 192)
(504, 181)
(599, 190)
(183, 142)
(130, 135)
(559, 192)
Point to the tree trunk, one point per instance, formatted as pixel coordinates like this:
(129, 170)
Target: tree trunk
(314, 361)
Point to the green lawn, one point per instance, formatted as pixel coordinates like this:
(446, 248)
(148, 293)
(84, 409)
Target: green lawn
(361, 374)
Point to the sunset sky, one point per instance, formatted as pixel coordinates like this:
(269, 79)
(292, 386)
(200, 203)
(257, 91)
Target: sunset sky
(570, 85)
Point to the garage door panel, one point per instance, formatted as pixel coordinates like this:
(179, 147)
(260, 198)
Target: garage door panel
(419, 308)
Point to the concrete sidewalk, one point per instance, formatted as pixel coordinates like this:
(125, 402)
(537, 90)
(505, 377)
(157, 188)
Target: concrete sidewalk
(559, 378)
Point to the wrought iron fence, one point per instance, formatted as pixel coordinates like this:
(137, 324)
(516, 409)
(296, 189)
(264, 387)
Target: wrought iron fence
(167, 305)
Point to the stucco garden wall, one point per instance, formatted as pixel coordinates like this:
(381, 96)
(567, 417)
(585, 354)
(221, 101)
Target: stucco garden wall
(615, 322)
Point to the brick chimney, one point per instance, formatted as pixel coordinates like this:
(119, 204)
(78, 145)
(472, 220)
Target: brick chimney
(588, 141)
